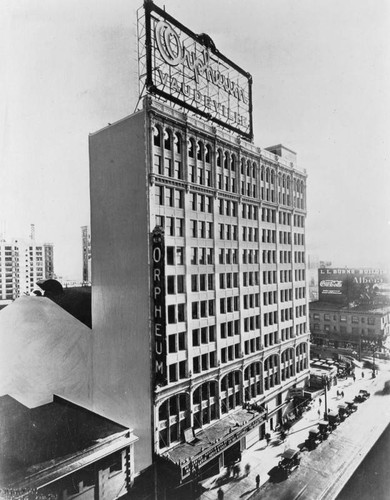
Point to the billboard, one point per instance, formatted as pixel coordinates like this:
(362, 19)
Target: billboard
(343, 285)
(189, 71)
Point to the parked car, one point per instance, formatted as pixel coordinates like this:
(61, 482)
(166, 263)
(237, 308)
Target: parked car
(351, 406)
(333, 419)
(291, 459)
(325, 429)
(362, 396)
(344, 412)
(313, 440)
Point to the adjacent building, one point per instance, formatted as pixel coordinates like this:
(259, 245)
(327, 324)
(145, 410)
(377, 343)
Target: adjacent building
(61, 450)
(352, 315)
(86, 257)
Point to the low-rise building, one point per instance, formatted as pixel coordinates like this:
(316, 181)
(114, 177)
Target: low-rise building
(346, 329)
(61, 450)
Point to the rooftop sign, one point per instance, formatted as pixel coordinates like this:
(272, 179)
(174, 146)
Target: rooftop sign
(187, 70)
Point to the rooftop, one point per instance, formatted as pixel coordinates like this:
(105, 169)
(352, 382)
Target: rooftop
(46, 440)
(359, 308)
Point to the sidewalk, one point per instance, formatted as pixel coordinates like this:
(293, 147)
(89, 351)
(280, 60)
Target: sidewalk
(262, 458)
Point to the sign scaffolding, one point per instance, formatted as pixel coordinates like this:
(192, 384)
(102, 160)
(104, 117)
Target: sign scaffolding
(187, 69)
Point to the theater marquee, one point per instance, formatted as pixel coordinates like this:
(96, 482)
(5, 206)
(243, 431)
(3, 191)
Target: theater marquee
(189, 71)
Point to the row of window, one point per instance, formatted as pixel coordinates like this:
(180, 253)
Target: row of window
(203, 335)
(228, 280)
(250, 234)
(229, 304)
(252, 300)
(201, 229)
(202, 282)
(344, 318)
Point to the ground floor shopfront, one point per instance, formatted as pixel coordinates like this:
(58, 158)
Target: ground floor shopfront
(221, 443)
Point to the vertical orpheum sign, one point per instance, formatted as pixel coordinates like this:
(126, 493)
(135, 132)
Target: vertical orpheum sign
(187, 70)
(158, 301)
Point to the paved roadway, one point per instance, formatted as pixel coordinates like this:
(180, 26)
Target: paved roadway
(323, 472)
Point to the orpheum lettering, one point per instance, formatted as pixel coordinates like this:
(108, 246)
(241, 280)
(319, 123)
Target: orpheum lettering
(174, 52)
(158, 307)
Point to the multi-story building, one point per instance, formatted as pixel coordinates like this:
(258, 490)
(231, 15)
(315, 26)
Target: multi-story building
(234, 289)
(86, 246)
(352, 315)
(199, 297)
(49, 260)
(22, 264)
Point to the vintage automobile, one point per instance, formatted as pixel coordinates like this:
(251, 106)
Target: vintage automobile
(344, 412)
(333, 419)
(351, 406)
(291, 459)
(362, 396)
(313, 440)
(324, 428)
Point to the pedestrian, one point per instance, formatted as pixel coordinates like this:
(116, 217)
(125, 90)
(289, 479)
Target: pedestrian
(320, 402)
(247, 469)
(362, 374)
(257, 481)
(319, 413)
(268, 438)
(238, 470)
(220, 494)
(342, 394)
(354, 378)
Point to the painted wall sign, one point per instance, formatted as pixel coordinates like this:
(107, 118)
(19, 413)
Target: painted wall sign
(353, 285)
(158, 305)
(189, 71)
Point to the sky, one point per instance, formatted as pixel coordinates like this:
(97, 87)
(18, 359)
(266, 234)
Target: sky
(321, 87)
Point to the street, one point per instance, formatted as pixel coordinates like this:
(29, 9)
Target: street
(324, 471)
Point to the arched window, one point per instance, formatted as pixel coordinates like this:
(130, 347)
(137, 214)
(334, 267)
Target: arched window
(208, 154)
(157, 136)
(267, 175)
(271, 371)
(252, 381)
(230, 395)
(173, 418)
(287, 364)
(167, 139)
(199, 150)
(233, 163)
(301, 357)
(226, 160)
(177, 142)
(205, 401)
(219, 158)
(191, 148)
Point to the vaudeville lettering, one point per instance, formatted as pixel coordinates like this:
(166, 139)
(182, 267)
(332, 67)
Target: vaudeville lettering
(187, 70)
(158, 299)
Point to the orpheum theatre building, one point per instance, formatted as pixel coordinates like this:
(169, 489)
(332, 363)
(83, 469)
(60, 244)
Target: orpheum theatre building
(198, 265)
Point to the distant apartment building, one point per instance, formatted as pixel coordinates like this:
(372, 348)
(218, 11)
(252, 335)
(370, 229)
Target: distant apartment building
(49, 260)
(86, 246)
(22, 264)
